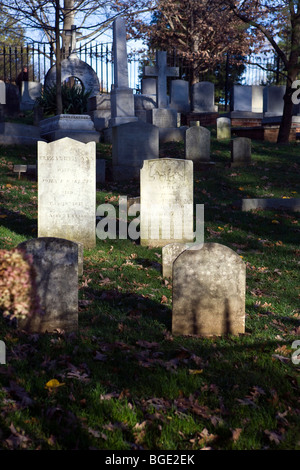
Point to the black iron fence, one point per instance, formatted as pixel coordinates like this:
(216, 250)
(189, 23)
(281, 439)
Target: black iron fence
(38, 58)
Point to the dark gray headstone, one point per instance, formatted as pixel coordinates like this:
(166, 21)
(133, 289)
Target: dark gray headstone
(240, 151)
(209, 292)
(55, 266)
(197, 144)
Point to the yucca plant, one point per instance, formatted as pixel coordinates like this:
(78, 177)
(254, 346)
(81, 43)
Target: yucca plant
(74, 100)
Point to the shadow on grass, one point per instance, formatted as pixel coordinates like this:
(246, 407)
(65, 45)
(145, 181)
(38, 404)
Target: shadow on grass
(19, 223)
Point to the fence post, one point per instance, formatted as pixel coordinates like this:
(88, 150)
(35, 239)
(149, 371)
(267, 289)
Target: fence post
(226, 81)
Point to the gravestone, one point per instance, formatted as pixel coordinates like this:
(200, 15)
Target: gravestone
(166, 192)
(241, 98)
(197, 144)
(149, 86)
(2, 92)
(180, 96)
(163, 116)
(67, 191)
(75, 126)
(132, 144)
(209, 292)
(30, 92)
(99, 108)
(55, 266)
(223, 128)
(240, 151)
(122, 100)
(273, 100)
(203, 97)
(74, 67)
(168, 254)
(257, 99)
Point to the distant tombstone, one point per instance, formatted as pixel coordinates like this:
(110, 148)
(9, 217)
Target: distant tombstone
(74, 67)
(55, 266)
(273, 100)
(223, 128)
(149, 86)
(132, 144)
(30, 92)
(161, 71)
(67, 191)
(12, 106)
(257, 99)
(241, 99)
(2, 92)
(166, 191)
(240, 151)
(168, 254)
(164, 117)
(180, 98)
(209, 292)
(197, 144)
(75, 126)
(122, 100)
(203, 97)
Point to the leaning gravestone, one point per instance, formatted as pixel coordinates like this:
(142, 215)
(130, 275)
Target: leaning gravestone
(166, 191)
(197, 144)
(67, 191)
(240, 151)
(223, 128)
(209, 292)
(55, 273)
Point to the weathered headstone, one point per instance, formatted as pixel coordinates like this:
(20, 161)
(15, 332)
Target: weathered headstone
(166, 191)
(197, 144)
(180, 96)
(132, 143)
(209, 292)
(55, 265)
(168, 254)
(240, 151)
(122, 100)
(67, 191)
(223, 128)
(203, 97)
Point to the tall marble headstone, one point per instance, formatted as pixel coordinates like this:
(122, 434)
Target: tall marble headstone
(180, 96)
(203, 97)
(67, 190)
(166, 191)
(209, 287)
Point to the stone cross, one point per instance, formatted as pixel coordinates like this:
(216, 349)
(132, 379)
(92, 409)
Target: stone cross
(120, 54)
(161, 71)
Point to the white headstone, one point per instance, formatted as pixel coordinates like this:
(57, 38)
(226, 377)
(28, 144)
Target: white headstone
(67, 191)
(166, 191)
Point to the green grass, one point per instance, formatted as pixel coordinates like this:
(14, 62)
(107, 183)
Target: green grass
(127, 383)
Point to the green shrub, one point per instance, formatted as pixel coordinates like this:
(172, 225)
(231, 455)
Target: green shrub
(74, 100)
(17, 289)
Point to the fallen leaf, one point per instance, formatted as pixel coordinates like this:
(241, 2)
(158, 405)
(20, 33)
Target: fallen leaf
(236, 434)
(53, 383)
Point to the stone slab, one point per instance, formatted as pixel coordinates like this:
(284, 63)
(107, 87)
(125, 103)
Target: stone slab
(289, 204)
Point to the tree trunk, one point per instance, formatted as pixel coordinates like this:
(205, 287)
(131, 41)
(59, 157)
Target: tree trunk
(58, 60)
(69, 18)
(286, 122)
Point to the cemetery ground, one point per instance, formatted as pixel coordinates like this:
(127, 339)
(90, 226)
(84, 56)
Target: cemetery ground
(123, 382)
